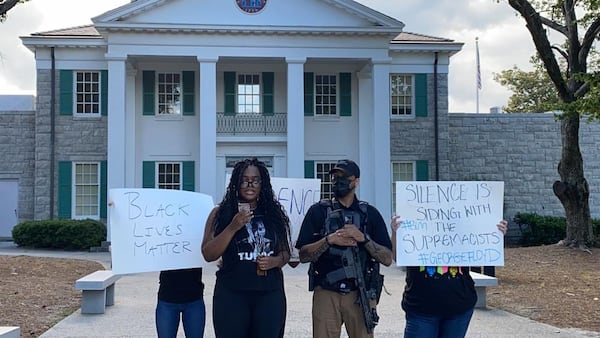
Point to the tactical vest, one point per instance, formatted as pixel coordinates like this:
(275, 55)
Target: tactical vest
(329, 272)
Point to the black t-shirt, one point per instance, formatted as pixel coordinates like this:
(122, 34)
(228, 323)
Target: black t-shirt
(238, 270)
(438, 291)
(181, 286)
(313, 227)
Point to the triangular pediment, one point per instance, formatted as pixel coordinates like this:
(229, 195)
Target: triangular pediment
(317, 15)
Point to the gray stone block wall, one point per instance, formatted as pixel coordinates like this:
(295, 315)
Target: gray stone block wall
(76, 139)
(413, 139)
(522, 150)
(17, 148)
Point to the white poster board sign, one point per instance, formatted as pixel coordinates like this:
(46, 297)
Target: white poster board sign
(157, 229)
(449, 223)
(296, 195)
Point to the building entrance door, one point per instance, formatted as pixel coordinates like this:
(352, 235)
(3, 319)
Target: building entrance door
(9, 198)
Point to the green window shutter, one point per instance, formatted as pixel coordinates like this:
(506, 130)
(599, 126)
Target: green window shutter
(268, 84)
(104, 92)
(309, 169)
(421, 95)
(189, 183)
(309, 94)
(66, 92)
(345, 94)
(188, 93)
(229, 84)
(422, 170)
(148, 88)
(65, 184)
(103, 189)
(148, 174)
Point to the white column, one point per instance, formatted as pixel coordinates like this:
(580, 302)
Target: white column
(295, 117)
(116, 125)
(382, 175)
(208, 127)
(130, 135)
(366, 155)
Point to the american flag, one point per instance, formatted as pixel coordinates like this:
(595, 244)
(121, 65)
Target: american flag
(478, 66)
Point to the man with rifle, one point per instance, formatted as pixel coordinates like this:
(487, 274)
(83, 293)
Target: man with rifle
(344, 240)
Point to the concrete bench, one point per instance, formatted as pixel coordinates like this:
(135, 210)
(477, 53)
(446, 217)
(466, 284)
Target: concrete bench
(98, 291)
(481, 284)
(10, 332)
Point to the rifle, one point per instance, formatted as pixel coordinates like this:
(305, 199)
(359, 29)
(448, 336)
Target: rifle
(352, 268)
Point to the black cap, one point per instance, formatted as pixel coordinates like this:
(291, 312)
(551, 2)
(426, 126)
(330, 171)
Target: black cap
(348, 167)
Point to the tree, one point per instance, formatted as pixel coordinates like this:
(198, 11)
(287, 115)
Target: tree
(7, 5)
(532, 92)
(576, 88)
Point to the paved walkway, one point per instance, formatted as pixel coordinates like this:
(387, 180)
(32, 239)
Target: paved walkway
(135, 299)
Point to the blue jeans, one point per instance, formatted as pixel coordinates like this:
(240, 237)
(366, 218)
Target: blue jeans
(192, 314)
(427, 326)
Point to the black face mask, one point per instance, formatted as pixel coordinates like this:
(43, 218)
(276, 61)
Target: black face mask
(341, 186)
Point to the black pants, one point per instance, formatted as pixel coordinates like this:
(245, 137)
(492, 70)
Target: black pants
(248, 314)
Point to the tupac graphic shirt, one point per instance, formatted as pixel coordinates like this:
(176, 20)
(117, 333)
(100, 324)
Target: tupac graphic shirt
(238, 270)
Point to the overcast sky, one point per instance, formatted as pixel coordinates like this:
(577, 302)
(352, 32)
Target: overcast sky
(503, 40)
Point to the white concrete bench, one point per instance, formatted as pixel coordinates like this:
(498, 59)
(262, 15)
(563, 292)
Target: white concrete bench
(10, 332)
(481, 283)
(98, 291)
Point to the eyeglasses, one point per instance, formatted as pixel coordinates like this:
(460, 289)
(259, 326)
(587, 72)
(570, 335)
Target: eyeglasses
(246, 184)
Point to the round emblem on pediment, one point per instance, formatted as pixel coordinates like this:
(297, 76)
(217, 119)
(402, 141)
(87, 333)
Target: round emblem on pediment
(251, 6)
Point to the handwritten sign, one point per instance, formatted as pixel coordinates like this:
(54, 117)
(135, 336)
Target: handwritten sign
(157, 229)
(296, 195)
(449, 223)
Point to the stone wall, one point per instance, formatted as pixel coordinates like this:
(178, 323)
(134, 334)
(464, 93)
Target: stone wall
(523, 150)
(17, 138)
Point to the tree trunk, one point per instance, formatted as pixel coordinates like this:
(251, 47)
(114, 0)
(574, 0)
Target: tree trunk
(573, 190)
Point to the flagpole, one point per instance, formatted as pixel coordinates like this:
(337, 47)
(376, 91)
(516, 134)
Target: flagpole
(477, 75)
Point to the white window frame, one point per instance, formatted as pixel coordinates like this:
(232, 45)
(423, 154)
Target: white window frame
(169, 185)
(87, 91)
(255, 95)
(410, 115)
(413, 177)
(335, 105)
(178, 106)
(75, 192)
(322, 169)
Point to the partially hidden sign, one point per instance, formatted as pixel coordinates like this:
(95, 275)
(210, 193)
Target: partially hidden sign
(449, 223)
(157, 229)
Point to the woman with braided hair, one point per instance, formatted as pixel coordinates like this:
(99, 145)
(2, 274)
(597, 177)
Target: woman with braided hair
(250, 231)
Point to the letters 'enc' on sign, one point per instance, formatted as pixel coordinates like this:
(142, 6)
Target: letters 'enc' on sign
(157, 229)
(449, 223)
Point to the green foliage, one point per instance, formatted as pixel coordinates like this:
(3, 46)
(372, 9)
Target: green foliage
(532, 92)
(60, 234)
(542, 230)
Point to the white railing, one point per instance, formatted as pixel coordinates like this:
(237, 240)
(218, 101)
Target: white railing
(252, 123)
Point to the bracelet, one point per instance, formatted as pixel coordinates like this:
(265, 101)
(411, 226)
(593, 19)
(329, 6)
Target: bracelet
(327, 240)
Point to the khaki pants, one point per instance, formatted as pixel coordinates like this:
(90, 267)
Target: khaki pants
(332, 309)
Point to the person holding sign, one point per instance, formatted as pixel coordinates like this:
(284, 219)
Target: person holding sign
(438, 300)
(344, 240)
(250, 231)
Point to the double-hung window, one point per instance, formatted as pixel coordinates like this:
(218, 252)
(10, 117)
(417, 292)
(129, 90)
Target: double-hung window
(87, 93)
(322, 173)
(326, 95)
(169, 175)
(248, 93)
(402, 95)
(169, 94)
(83, 93)
(86, 190)
(401, 171)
